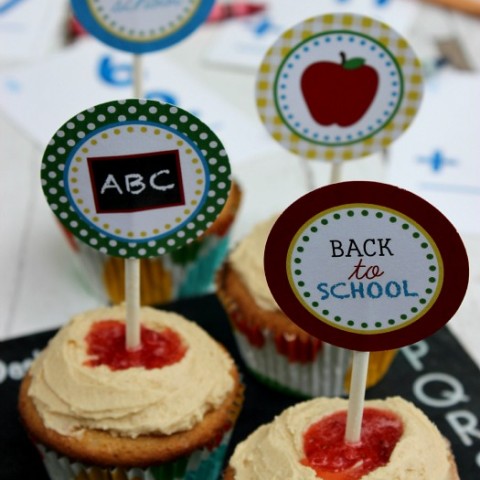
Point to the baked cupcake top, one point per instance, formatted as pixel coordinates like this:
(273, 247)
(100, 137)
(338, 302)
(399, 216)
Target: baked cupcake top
(277, 450)
(247, 261)
(73, 390)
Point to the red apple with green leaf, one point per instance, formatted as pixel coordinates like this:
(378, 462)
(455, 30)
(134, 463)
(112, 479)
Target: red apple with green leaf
(339, 93)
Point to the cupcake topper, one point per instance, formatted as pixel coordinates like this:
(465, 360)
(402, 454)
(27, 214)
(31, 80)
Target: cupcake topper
(141, 27)
(338, 87)
(135, 179)
(365, 266)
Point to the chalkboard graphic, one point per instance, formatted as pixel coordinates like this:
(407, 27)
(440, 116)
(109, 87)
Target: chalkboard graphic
(130, 183)
(136, 178)
(339, 93)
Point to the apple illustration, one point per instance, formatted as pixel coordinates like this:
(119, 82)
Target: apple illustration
(339, 93)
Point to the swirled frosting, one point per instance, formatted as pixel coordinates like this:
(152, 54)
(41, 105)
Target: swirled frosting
(71, 396)
(275, 451)
(247, 261)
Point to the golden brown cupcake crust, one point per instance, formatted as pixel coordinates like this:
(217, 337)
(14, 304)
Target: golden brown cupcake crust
(233, 294)
(102, 449)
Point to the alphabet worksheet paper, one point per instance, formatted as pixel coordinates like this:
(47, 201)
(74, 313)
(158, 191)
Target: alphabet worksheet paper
(39, 98)
(437, 158)
(27, 28)
(242, 43)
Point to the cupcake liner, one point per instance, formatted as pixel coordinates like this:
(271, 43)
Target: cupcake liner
(327, 373)
(300, 365)
(324, 376)
(198, 277)
(304, 367)
(203, 464)
(185, 273)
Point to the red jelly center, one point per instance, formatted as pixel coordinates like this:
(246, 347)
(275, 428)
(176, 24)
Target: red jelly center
(333, 459)
(106, 346)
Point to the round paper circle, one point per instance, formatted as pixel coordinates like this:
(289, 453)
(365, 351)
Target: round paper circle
(373, 268)
(135, 178)
(338, 87)
(141, 27)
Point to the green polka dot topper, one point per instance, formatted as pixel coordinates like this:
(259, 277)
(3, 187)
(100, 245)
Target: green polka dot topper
(374, 268)
(135, 178)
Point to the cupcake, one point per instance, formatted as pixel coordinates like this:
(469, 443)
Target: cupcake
(306, 442)
(184, 273)
(163, 411)
(274, 348)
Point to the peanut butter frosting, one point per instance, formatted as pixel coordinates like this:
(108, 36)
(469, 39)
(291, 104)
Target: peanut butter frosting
(71, 396)
(274, 451)
(247, 261)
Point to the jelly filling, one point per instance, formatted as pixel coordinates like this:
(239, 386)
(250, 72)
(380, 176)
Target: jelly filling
(106, 345)
(332, 458)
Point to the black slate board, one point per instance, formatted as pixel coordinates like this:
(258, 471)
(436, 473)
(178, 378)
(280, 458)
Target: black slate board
(435, 374)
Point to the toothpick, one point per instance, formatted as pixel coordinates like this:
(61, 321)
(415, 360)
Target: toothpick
(137, 76)
(356, 399)
(385, 153)
(336, 169)
(132, 298)
(308, 174)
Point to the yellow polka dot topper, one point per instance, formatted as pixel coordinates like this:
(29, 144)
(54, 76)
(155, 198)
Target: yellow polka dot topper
(135, 178)
(338, 87)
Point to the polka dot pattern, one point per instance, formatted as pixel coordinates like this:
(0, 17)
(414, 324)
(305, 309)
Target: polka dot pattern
(281, 104)
(135, 128)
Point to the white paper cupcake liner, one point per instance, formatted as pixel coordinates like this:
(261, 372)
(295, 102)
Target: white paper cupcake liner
(202, 464)
(324, 376)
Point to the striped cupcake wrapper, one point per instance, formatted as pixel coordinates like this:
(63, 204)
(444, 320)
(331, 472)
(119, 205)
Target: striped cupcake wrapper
(203, 464)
